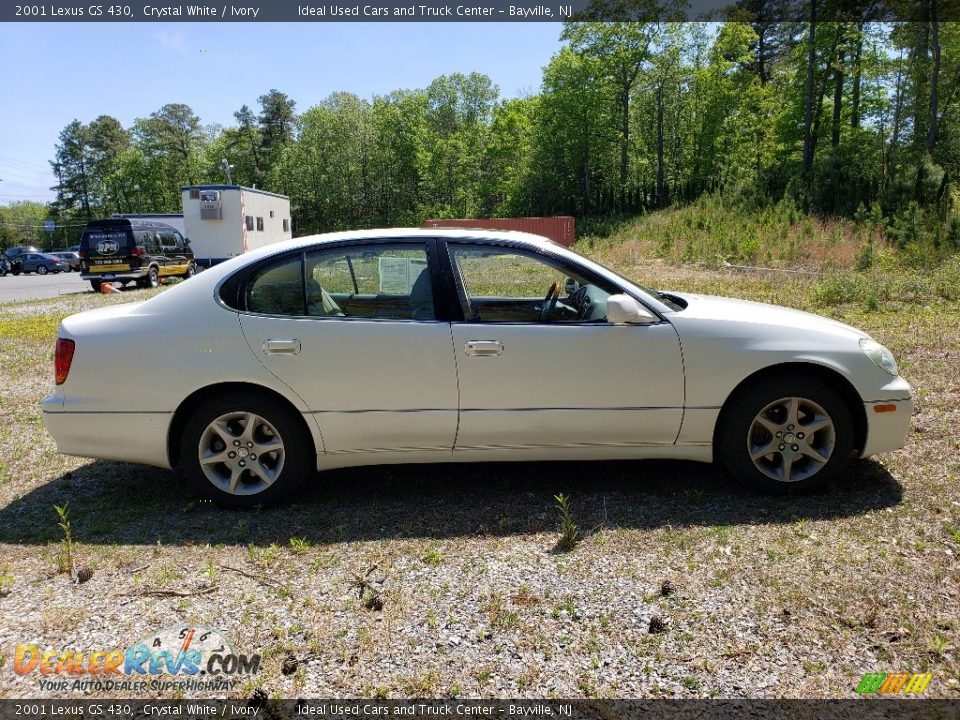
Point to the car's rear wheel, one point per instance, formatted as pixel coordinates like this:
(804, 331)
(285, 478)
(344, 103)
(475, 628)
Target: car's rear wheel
(151, 280)
(244, 450)
(41, 269)
(786, 435)
(95, 284)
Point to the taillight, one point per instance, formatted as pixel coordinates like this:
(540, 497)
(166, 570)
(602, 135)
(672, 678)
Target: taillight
(137, 252)
(82, 254)
(62, 359)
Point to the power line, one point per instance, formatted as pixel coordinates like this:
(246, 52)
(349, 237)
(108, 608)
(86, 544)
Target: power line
(23, 163)
(10, 172)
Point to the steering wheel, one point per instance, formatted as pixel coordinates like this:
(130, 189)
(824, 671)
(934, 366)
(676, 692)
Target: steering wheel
(550, 301)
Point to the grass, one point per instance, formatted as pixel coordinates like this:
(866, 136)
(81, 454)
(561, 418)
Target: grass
(817, 590)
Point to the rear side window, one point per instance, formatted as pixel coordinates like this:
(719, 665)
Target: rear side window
(277, 288)
(388, 282)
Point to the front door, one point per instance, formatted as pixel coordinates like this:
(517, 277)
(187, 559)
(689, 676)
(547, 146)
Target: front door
(540, 367)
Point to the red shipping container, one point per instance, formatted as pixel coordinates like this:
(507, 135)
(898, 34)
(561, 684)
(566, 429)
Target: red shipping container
(561, 228)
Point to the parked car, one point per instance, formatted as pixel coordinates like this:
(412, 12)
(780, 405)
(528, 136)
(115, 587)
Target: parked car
(123, 250)
(40, 263)
(4, 265)
(397, 346)
(12, 252)
(72, 259)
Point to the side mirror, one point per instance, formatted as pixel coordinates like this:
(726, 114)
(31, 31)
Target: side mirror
(624, 309)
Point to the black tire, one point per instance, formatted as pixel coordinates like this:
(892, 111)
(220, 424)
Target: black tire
(152, 278)
(191, 271)
(95, 284)
(274, 422)
(41, 269)
(749, 424)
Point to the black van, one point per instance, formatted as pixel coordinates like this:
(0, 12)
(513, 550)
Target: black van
(122, 250)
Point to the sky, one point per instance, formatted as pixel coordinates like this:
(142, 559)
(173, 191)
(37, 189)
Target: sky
(55, 73)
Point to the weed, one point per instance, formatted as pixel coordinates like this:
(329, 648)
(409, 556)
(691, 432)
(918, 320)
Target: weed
(567, 608)
(211, 571)
(433, 557)
(300, 546)
(500, 617)
(568, 528)
(369, 594)
(68, 547)
(423, 686)
(265, 558)
(6, 580)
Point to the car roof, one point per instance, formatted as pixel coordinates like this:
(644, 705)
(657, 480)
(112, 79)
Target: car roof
(379, 234)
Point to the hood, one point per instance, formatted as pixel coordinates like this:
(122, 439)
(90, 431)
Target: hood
(746, 312)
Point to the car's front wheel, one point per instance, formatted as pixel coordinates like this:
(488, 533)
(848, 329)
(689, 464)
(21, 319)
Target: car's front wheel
(785, 435)
(191, 271)
(243, 450)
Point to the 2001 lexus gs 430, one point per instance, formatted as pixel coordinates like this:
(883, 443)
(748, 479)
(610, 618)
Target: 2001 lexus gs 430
(399, 346)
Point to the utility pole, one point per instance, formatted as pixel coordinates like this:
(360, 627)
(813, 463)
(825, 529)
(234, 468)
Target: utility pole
(228, 168)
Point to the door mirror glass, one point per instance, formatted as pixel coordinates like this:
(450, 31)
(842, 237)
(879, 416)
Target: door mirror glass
(624, 309)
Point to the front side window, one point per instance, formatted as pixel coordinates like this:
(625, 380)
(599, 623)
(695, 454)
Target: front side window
(503, 284)
(369, 281)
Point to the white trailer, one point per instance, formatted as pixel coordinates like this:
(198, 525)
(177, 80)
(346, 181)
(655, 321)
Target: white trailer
(223, 221)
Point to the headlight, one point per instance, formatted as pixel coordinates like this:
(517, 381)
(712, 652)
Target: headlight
(880, 355)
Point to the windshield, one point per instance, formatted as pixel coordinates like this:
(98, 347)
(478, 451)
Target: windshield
(664, 298)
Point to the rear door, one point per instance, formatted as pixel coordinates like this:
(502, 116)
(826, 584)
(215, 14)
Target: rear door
(107, 247)
(353, 330)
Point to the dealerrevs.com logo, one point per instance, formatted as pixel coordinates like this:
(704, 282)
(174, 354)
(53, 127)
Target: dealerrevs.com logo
(181, 657)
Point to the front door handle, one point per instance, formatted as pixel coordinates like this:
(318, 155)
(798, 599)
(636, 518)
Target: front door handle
(483, 347)
(281, 347)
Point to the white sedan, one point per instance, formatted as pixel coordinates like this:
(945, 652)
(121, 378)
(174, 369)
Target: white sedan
(410, 346)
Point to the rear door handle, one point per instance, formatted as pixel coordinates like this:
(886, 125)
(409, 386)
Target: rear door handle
(281, 347)
(483, 347)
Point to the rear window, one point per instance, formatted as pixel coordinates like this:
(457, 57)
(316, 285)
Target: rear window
(92, 238)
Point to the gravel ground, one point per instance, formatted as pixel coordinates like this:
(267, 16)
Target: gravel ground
(444, 581)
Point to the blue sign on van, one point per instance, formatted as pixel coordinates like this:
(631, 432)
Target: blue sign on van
(49, 225)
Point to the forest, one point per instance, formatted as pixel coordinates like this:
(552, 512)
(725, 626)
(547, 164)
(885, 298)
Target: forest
(854, 119)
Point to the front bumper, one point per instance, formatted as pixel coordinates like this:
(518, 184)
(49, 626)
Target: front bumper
(888, 422)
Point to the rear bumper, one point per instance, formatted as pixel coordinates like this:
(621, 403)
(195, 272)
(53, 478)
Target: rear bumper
(124, 275)
(136, 437)
(888, 422)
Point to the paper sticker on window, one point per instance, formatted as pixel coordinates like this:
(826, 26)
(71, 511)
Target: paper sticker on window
(397, 275)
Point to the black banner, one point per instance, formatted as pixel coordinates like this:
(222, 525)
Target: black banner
(266, 709)
(480, 11)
